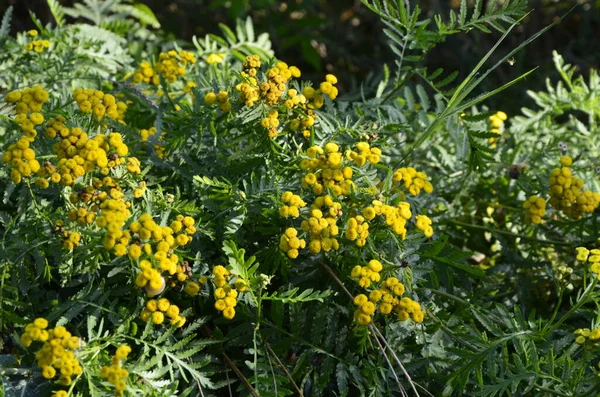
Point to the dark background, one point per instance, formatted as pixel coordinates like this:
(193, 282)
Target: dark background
(345, 38)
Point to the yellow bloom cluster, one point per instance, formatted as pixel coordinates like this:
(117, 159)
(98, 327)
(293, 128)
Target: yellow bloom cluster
(567, 194)
(37, 45)
(326, 171)
(395, 217)
(82, 216)
(215, 58)
(21, 158)
(146, 134)
(497, 126)
(248, 89)
(70, 239)
(277, 78)
(584, 336)
(150, 278)
(225, 294)
(78, 154)
(328, 88)
(170, 65)
(28, 103)
(116, 374)
(365, 153)
(56, 353)
(292, 205)
(365, 274)
(386, 300)
(592, 256)
(157, 244)
(322, 225)
(99, 104)
(423, 223)
(56, 126)
(535, 209)
(271, 122)
(158, 309)
(114, 211)
(414, 181)
(290, 243)
(358, 229)
(222, 98)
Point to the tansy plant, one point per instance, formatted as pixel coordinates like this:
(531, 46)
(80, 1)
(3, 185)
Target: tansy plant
(200, 218)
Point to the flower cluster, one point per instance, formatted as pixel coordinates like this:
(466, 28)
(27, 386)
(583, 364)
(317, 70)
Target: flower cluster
(326, 171)
(357, 228)
(56, 354)
(70, 240)
(100, 104)
(226, 294)
(386, 299)
(170, 65)
(592, 256)
(414, 181)
(587, 337)
(215, 58)
(567, 194)
(271, 122)
(497, 126)
(535, 209)
(248, 89)
(291, 205)
(158, 309)
(277, 79)
(365, 153)
(116, 374)
(365, 274)
(36, 45)
(290, 243)
(222, 99)
(157, 244)
(77, 154)
(21, 158)
(423, 223)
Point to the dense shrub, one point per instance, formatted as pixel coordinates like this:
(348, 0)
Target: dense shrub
(197, 219)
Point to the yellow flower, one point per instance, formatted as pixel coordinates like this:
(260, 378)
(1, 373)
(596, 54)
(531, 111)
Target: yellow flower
(215, 58)
(48, 372)
(582, 254)
(158, 317)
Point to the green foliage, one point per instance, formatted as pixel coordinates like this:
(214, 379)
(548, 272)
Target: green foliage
(254, 300)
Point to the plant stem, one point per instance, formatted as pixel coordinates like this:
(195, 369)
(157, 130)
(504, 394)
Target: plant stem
(283, 367)
(583, 300)
(375, 330)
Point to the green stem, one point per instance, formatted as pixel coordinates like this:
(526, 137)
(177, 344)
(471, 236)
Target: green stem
(556, 309)
(507, 233)
(582, 301)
